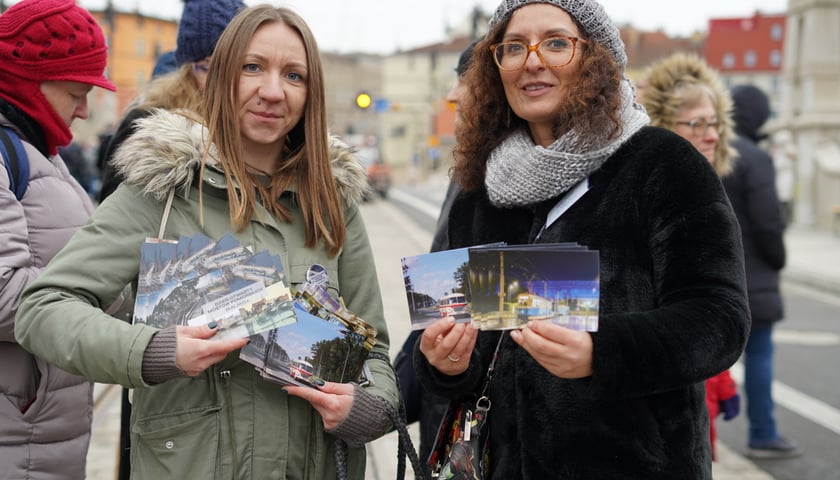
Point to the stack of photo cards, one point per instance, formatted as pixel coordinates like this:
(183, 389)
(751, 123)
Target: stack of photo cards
(196, 280)
(328, 342)
(296, 337)
(500, 287)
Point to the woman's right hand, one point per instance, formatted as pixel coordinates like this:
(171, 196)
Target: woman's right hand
(448, 345)
(195, 352)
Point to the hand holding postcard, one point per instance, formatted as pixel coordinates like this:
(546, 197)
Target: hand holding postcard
(500, 287)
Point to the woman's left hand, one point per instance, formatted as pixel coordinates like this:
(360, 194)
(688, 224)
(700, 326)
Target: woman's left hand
(565, 353)
(332, 401)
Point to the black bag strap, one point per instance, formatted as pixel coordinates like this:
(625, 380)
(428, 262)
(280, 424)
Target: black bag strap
(405, 447)
(16, 162)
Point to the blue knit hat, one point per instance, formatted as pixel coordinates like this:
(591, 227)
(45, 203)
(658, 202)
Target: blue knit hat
(201, 25)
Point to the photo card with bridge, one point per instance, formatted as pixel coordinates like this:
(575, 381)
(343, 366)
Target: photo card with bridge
(326, 342)
(437, 286)
(515, 284)
(196, 280)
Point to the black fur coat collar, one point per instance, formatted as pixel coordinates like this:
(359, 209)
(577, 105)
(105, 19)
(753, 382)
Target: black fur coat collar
(673, 312)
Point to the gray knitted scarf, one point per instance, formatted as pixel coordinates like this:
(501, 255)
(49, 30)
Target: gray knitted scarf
(519, 172)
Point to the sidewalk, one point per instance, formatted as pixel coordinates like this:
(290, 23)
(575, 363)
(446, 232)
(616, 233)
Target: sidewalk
(813, 259)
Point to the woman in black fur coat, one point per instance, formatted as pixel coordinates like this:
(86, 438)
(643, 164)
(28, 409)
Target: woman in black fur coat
(550, 117)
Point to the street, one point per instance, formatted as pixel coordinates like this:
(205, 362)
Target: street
(806, 390)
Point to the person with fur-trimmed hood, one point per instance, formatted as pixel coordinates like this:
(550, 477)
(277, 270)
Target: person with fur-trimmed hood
(258, 165)
(682, 93)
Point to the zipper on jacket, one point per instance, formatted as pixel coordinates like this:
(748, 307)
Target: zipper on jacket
(225, 376)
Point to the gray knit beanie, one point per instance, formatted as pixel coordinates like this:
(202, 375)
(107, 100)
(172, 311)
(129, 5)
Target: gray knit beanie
(588, 13)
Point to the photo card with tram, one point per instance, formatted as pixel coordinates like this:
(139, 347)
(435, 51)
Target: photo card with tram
(512, 285)
(437, 286)
(196, 280)
(326, 342)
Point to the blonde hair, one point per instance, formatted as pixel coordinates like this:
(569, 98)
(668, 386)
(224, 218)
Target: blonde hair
(175, 90)
(306, 162)
(682, 81)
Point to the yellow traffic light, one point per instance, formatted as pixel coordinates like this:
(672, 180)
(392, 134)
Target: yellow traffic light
(363, 101)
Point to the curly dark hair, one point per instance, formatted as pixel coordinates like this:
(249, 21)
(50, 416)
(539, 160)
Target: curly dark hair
(592, 107)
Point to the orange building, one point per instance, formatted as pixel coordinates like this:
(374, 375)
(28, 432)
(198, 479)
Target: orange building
(135, 41)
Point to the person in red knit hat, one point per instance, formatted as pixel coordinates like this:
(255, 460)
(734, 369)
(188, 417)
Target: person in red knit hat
(52, 53)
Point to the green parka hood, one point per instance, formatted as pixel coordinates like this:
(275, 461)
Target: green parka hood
(166, 151)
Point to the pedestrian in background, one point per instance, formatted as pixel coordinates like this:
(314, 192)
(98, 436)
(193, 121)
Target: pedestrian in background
(260, 166)
(752, 190)
(421, 405)
(201, 24)
(683, 94)
(550, 123)
(52, 53)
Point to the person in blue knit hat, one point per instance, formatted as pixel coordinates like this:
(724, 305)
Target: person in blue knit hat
(201, 25)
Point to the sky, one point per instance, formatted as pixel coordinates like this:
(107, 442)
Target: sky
(386, 26)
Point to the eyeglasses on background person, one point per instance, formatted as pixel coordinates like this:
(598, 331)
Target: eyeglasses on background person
(554, 52)
(700, 126)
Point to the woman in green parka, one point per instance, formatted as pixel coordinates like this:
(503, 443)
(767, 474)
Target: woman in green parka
(261, 166)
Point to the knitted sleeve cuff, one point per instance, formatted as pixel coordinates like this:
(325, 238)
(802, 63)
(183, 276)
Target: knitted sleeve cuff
(159, 358)
(368, 419)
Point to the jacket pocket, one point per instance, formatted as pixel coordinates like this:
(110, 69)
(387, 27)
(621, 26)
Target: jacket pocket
(184, 445)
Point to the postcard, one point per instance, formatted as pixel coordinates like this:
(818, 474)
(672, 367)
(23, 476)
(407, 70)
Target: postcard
(196, 280)
(325, 342)
(510, 286)
(437, 285)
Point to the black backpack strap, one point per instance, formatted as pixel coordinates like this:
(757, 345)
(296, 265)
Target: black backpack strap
(16, 162)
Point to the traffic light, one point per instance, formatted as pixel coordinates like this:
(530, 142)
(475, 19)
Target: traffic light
(363, 100)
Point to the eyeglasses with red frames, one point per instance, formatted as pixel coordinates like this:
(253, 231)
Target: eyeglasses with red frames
(554, 52)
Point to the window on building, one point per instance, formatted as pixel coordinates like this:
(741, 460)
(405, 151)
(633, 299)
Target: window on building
(140, 48)
(776, 58)
(777, 32)
(749, 59)
(729, 60)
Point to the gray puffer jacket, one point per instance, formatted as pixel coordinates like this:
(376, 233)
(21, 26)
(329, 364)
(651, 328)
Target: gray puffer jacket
(45, 412)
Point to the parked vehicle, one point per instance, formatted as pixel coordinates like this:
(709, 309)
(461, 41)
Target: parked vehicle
(378, 172)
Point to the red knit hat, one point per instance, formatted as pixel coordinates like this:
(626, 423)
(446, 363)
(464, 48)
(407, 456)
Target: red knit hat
(49, 40)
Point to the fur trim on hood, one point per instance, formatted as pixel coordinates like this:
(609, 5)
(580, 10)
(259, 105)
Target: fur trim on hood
(657, 95)
(166, 151)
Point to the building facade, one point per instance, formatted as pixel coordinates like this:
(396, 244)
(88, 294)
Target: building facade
(749, 50)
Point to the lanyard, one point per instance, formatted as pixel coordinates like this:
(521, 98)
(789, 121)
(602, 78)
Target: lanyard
(565, 203)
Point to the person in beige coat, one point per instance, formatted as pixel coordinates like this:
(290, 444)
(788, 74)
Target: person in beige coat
(52, 53)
